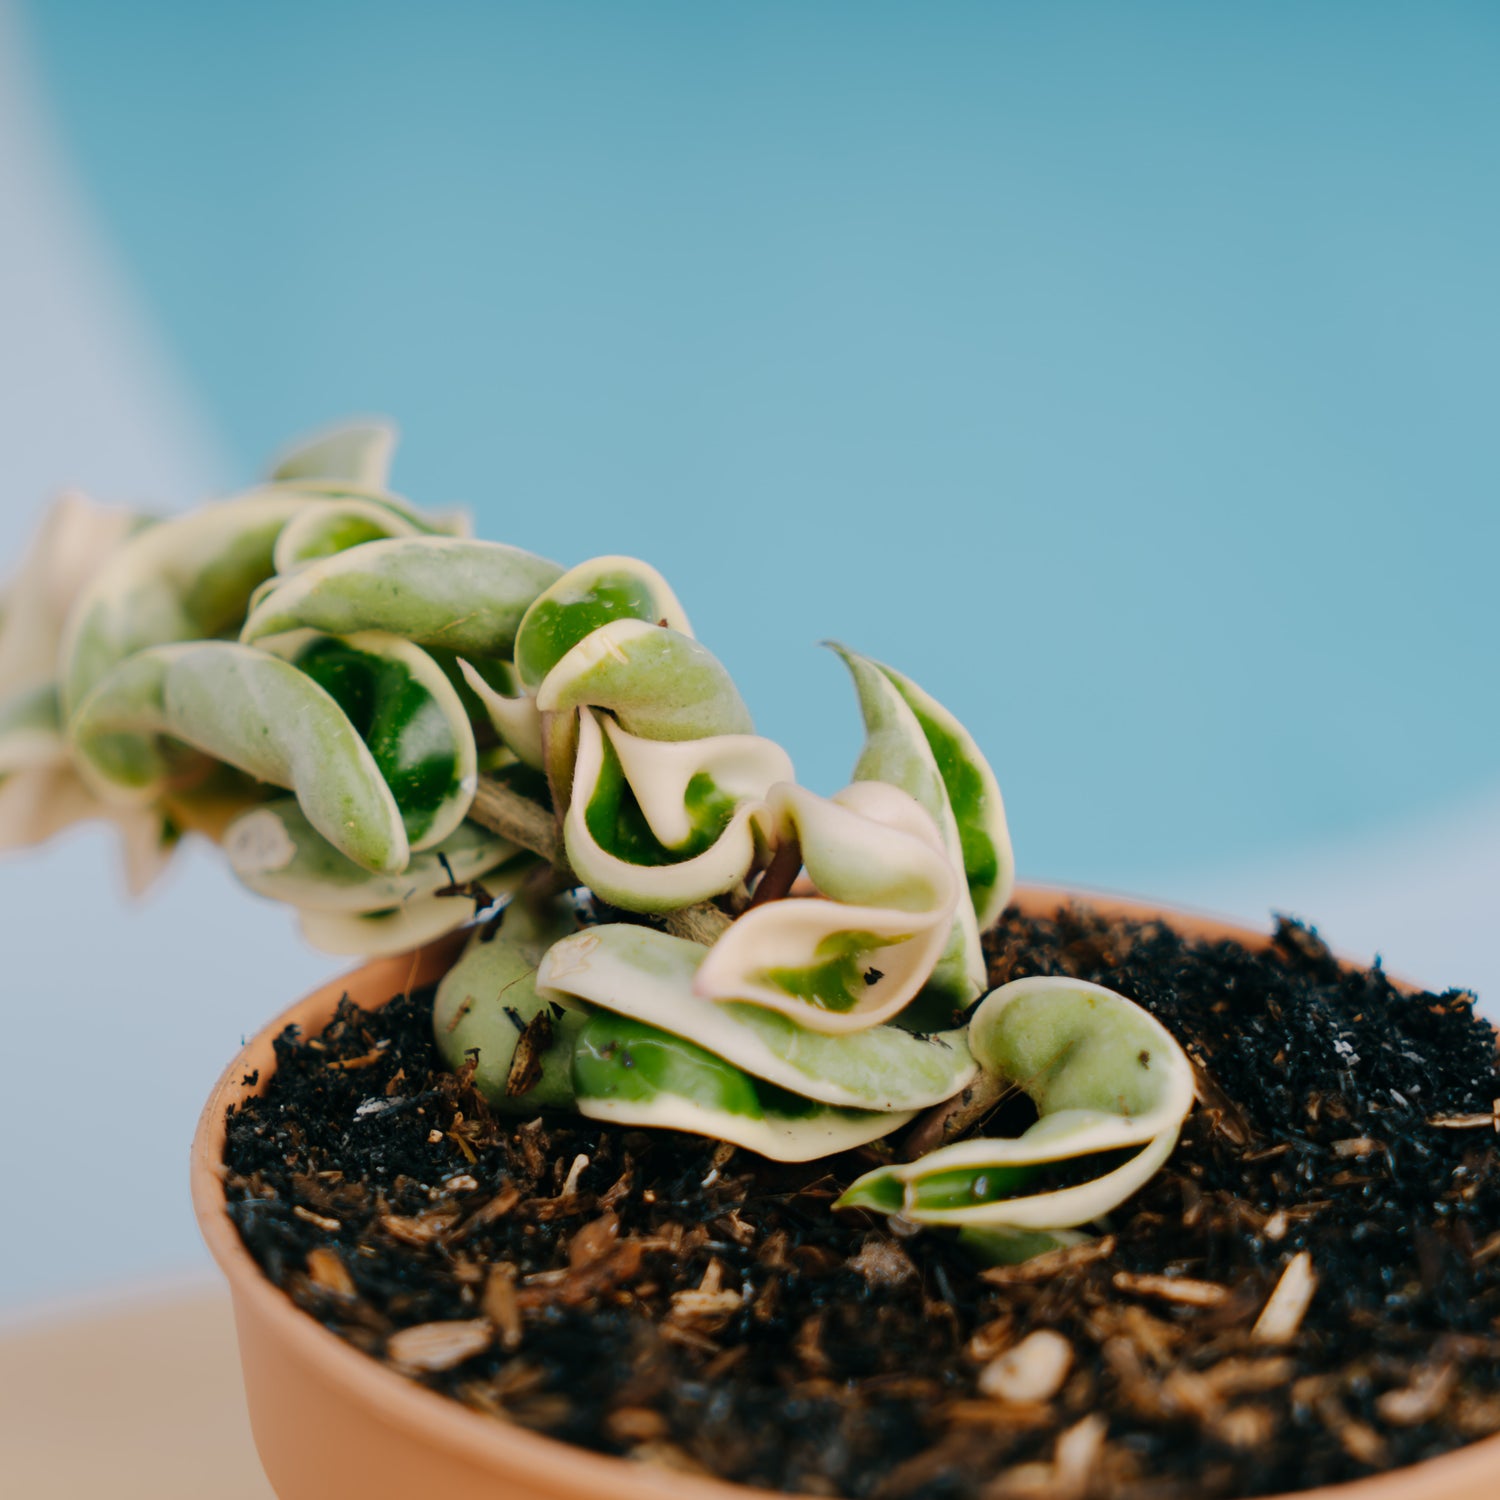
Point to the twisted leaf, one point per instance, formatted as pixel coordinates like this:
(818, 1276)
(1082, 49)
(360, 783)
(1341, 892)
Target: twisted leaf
(634, 1074)
(405, 709)
(859, 956)
(258, 713)
(897, 752)
(649, 977)
(466, 596)
(1111, 1087)
(488, 1002)
(656, 825)
(277, 853)
(594, 593)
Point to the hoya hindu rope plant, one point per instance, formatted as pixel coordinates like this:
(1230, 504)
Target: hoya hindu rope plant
(396, 728)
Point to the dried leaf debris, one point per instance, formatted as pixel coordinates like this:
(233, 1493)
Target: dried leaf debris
(1308, 1292)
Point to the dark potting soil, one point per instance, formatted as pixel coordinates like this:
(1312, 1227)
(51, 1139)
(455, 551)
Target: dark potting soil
(678, 1301)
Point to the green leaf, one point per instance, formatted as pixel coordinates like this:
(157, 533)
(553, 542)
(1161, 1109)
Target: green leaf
(489, 997)
(253, 711)
(356, 452)
(594, 593)
(1111, 1087)
(630, 1073)
(403, 707)
(466, 596)
(896, 751)
(649, 976)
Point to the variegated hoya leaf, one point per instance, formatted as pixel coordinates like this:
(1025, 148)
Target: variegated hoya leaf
(466, 596)
(595, 593)
(630, 1073)
(1111, 1087)
(913, 742)
(356, 453)
(252, 711)
(277, 853)
(857, 954)
(649, 976)
(404, 708)
(487, 1007)
(655, 825)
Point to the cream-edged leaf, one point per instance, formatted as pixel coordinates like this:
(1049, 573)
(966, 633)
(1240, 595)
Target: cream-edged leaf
(465, 596)
(655, 825)
(594, 593)
(515, 718)
(649, 976)
(277, 853)
(631, 1073)
(353, 452)
(860, 952)
(252, 711)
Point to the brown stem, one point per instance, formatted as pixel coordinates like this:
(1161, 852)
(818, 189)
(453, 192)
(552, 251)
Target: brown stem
(946, 1122)
(703, 923)
(519, 819)
(780, 873)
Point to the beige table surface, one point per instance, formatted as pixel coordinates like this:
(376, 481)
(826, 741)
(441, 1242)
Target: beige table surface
(137, 1399)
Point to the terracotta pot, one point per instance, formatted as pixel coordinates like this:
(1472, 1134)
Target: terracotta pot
(330, 1422)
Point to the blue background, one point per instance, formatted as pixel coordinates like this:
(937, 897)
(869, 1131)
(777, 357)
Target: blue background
(1125, 373)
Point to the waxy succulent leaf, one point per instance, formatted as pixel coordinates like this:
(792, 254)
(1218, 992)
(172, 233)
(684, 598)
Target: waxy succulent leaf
(488, 1002)
(593, 594)
(649, 976)
(356, 453)
(1111, 1087)
(858, 953)
(654, 825)
(252, 711)
(404, 708)
(274, 851)
(897, 752)
(463, 595)
(630, 1073)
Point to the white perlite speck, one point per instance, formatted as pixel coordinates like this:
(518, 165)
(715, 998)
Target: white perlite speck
(1287, 1306)
(1033, 1371)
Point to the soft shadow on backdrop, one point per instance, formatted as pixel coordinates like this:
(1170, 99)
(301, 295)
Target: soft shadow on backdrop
(1126, 374)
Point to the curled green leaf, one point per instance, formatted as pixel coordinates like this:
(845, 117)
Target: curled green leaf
(462, 595)
(1111, 1087)
(595, 593)
(252, 711)
(860, 952)
(277, 853)
(649, 976)
(897, 752)
(356, 453)
(654, 825)
(487, 1009)
(634, 1074)
(185, 579)
(404, 708)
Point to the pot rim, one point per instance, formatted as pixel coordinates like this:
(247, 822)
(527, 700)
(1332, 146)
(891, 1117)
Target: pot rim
(531, 1456)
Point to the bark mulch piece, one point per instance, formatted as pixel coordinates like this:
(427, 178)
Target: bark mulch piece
(687, 1304)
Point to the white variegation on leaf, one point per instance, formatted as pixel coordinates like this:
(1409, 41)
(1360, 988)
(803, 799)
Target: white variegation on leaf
(253, 711)
(411, 717)
(375, 934)
(513, 716)
(897, 752)
(1111, 1087)
(858, 953)
(41, 792)
(655, 825)
(595, 593)
(357, 453)
(277, 853)
(649, 976)
(450, 592)
(344, 518)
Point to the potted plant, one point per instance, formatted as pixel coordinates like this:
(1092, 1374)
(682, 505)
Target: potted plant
(753, 1134)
